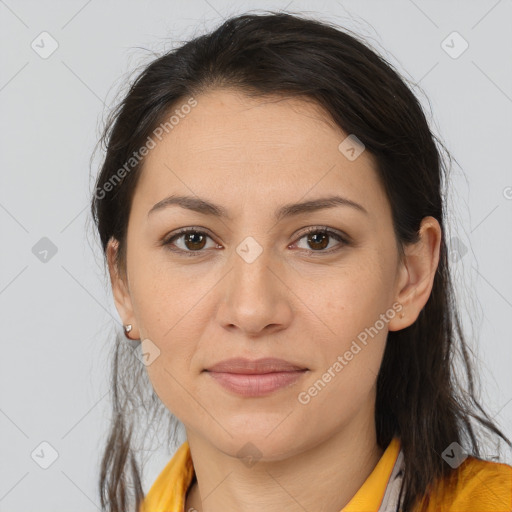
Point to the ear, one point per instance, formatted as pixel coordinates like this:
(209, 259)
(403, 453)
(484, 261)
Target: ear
(120, 289)
(416, 274)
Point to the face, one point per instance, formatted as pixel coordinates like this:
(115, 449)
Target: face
(253, 284)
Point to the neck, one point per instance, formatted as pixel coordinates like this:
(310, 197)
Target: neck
(323, 477)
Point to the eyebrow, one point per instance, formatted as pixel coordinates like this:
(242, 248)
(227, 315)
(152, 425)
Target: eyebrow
(205, 207)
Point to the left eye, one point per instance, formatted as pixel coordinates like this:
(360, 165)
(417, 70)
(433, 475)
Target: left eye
(318, 238)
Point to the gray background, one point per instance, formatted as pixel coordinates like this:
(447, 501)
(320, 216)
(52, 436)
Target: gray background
(58, 315)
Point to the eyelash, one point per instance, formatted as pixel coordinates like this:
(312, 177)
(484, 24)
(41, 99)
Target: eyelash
(315, 229)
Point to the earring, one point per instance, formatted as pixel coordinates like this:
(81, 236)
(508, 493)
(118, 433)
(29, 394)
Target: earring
(127, 329)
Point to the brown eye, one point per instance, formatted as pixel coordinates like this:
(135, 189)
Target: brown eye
(191, 240)
(196, 241)
(318, 239)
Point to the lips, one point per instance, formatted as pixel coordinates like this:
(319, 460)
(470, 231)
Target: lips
(255, 378)
(245, 366)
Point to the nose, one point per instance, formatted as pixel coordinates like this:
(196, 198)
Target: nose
(255, 297)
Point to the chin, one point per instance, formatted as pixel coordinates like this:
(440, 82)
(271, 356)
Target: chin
(260, 444)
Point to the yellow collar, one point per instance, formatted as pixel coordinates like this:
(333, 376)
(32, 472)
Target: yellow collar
(169, 490)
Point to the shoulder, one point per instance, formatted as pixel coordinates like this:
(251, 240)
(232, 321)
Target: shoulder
(476, 486)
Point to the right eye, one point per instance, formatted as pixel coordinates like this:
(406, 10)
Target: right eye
(193, 241)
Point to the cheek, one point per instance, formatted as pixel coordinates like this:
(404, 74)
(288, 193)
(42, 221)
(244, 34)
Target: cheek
(173, 374)
(355, 315)
(161, 297)
(174, 388)
(171, 316)
(352, 301)
(351, 355)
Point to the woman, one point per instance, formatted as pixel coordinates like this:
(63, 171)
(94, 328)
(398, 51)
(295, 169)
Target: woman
(271, 213)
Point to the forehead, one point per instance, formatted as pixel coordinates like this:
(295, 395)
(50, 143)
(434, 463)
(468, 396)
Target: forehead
(235, 149)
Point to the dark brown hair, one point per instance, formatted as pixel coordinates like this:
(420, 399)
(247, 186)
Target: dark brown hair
(420, 398)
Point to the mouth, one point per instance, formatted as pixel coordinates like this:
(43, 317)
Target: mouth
(260, 377)
(240, 365)
(259, 384)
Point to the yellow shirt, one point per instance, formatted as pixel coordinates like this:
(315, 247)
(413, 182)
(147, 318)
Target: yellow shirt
(482, 486)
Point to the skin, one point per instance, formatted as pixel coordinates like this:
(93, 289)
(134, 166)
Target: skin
(296, 301)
